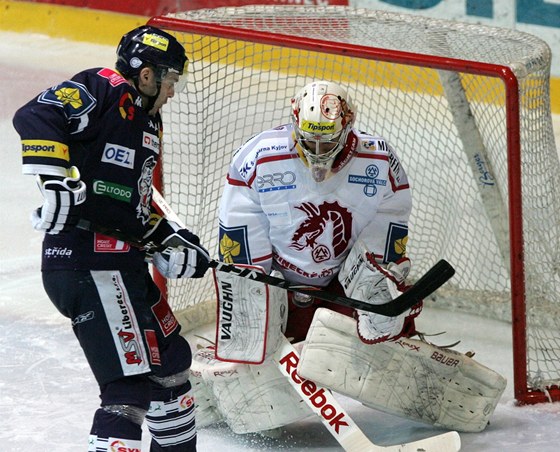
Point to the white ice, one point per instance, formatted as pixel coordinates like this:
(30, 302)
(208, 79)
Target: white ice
(47, 394)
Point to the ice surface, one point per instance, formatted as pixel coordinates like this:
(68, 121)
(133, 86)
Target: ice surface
(47, 394)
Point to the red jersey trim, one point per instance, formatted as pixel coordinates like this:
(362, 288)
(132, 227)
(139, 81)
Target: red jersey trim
(238, 183)
(262, 258)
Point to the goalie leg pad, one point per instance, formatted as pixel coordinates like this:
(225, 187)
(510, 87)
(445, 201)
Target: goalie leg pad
(407, 378)
(249, 398)
(206, 406)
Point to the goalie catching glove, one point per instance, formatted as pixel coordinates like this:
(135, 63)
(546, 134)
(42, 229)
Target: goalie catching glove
(179, 254)
(364, 279)
(60, 209)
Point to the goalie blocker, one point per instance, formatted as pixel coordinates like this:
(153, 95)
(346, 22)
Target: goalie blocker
(251, 317)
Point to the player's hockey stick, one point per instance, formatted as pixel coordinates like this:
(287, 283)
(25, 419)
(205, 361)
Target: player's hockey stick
(434, 278)
(338, 422)
(428, 283)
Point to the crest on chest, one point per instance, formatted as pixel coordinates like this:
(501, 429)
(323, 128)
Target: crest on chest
(326, 230)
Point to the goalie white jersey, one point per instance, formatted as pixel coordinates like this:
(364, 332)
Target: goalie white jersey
(282, 219)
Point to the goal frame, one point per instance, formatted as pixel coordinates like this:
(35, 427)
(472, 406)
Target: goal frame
(522, 393)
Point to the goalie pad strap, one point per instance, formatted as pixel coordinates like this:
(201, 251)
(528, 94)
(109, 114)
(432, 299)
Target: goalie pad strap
(407, 378)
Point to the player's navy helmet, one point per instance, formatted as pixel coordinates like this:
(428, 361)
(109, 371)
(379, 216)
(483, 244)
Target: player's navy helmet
(148, 45)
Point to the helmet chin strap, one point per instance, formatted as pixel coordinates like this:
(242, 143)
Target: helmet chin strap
(151, 99)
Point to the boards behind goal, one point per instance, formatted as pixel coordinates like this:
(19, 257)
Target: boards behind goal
(466, 106)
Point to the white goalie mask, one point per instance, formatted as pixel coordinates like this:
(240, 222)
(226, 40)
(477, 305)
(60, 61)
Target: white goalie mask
(322, 115)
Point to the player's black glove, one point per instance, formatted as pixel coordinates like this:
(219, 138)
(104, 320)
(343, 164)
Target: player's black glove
(179, 254)
(60, 210)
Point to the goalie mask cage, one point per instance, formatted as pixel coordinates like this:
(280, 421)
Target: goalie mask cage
(467, 108)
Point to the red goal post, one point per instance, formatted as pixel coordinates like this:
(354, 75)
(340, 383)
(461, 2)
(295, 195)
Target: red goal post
(467, 108)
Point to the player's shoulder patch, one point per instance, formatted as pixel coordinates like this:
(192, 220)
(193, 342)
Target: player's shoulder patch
(270, 145)
(395, 246)
(233, 245)
(73, 97)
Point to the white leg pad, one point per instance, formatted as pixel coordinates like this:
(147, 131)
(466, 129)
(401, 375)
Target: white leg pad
(248, 397)
(407, 378)
(206, 411)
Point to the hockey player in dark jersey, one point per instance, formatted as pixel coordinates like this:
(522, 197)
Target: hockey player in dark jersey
(93, 142)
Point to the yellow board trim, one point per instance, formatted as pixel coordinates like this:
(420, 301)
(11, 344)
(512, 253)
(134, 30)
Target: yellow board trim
(69, 22)
(103, 27)
(555, 95)
(231, 52)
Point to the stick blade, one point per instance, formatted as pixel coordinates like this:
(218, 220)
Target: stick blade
(438, 275)
(432, 280)
(446, 442)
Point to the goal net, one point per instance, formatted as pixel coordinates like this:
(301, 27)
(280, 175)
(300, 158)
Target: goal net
(466, 106)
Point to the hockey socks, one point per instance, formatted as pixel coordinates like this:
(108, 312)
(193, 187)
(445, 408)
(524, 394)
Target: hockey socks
(171, 420)
(112, 431)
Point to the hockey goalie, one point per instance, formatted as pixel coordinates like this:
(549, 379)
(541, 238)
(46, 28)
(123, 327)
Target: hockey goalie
(317, 202)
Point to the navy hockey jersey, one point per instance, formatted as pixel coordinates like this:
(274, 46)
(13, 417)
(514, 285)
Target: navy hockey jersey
(94, 121)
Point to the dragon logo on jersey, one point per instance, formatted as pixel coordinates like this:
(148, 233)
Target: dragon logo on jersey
(328, 219)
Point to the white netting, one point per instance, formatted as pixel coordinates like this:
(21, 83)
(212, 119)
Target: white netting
(238, 88)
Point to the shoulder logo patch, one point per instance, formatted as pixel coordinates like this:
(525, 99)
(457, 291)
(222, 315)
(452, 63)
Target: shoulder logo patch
(72, 97)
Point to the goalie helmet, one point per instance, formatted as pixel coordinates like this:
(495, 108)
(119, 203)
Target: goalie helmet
(322, 115)
(150, 46)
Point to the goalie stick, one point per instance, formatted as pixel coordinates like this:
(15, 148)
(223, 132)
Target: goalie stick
(434, 278)
(337, 421)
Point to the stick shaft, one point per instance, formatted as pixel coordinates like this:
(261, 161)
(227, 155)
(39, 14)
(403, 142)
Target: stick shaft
(434, 278)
